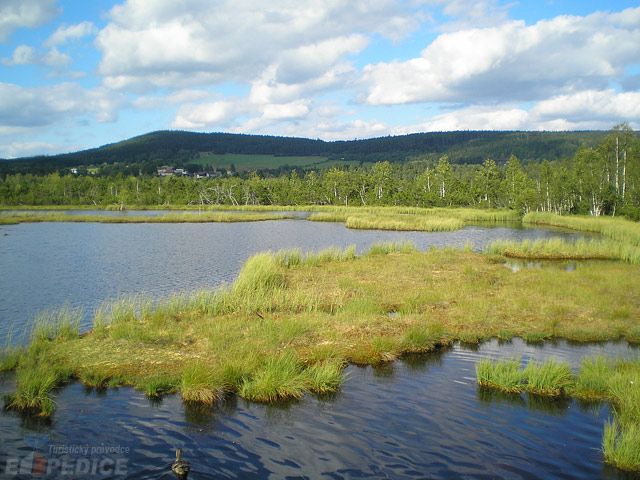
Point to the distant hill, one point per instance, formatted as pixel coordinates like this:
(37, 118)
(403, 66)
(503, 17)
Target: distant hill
(172, 147)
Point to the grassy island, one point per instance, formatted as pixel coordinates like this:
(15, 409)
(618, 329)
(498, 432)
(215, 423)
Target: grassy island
(201, 217)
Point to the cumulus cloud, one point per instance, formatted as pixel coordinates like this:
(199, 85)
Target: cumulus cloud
(36, 107)
(209, 115)
(156, 43)
(588, 110)
(64, 34)
(512, 62)
(25, 14)
(606, 106)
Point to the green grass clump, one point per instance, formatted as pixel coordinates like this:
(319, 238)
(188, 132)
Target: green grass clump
(326, 377)
(34, 385)
(281, 378)
(549, 378)
(199, 384)
(593, 378)
(96, 377)
(10, 357)
(385, 248)
(59, 324)
(421, 340)
(155, 386)
(503, 375)
(621, 445)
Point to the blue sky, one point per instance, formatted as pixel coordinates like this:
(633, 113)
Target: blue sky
(80, 74)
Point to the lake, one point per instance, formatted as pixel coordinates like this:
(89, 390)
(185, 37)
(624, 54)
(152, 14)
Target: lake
(421, 417)
(45, 265)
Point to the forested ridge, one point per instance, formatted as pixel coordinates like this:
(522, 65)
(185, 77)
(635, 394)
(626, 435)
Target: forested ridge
(597, 181)
(143, 154)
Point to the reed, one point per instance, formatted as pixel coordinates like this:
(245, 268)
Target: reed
(503, 375)
(548, 378)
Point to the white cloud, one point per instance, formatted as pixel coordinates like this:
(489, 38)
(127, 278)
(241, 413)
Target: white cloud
(473, 118)
(208, 115)
(158, 43)
(588, 110)
(24, 14)
(606, 106)
(25, 55)
(73, 32)
(181, 96)
(22, 55)
(512, 62)
(37, 107)
(470, 13)
(28, 149)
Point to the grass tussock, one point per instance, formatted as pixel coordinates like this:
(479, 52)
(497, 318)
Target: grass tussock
(199, 384)
(549, 378)
(282, 378)
(504, 375)
(158, 385)
(621, 446)
(326, 377)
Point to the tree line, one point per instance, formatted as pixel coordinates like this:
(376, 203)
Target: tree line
(604, 180)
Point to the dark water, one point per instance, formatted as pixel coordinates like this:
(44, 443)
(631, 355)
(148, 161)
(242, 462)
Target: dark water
(45, 265)
(422, 417)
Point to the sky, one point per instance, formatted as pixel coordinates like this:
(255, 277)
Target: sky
(78, 74)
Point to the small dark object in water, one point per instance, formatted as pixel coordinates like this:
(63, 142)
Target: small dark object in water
(180, 467)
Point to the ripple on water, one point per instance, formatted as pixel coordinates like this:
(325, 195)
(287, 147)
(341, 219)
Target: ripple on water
(419, 418)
